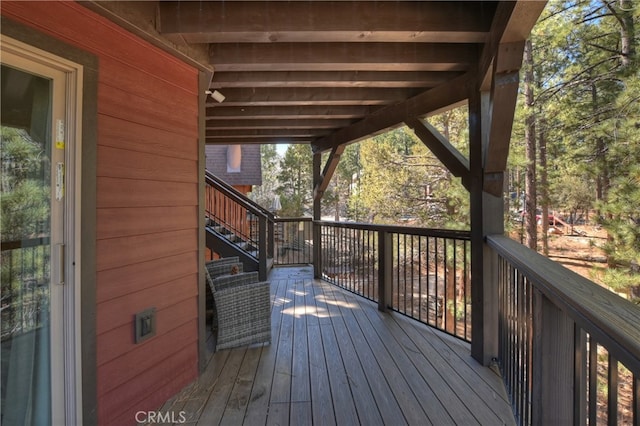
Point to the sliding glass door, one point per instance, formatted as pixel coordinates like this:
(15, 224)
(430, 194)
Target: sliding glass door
(34, 100)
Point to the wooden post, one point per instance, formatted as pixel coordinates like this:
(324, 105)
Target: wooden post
(553, 364)
(262, 248)
(487, 218)
(477, 234)
(490, 118)
(317, 215)
(385, 270)
(492, 224)
(271, 237)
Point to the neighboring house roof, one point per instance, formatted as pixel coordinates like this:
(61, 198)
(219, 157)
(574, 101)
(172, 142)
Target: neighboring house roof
(218, 159)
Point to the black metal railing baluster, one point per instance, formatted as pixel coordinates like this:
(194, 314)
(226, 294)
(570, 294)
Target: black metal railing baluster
(570, 370)
(612, 391)
(411, 260)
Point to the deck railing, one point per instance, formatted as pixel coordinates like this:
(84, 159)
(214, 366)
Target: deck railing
(569, 348)
(293, 243)
(421, 273)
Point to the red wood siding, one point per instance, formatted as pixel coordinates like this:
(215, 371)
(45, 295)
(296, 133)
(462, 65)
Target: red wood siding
(237, 216)
(231, 213)
(147, 195)
(245, 189)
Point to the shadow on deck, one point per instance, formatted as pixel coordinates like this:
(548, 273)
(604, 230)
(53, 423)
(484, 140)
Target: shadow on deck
(335, 359)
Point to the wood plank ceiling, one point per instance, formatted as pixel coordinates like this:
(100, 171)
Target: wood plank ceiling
(332, 72)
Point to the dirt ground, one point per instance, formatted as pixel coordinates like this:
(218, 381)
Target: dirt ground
(579, 251)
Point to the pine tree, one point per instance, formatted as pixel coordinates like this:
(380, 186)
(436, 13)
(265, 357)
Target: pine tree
(402, 181)
(586, 76)
(270, 162)
(530, 144)
(296, 180)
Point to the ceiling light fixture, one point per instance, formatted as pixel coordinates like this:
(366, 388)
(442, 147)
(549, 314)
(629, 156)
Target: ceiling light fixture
(219, 97)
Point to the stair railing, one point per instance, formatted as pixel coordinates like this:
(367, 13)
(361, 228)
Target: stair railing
(239, 215)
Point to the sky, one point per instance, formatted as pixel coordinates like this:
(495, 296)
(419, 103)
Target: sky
(281, 148)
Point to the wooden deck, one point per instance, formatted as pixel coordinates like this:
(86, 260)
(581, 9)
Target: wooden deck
(335, 359)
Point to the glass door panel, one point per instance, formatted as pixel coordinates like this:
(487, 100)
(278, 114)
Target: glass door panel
(30, 228)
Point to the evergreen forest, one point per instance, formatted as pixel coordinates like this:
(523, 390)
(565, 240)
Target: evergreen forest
(575, 148)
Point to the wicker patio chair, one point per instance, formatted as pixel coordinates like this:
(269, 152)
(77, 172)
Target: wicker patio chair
(217, 267)
(243, 309)
(223, 266)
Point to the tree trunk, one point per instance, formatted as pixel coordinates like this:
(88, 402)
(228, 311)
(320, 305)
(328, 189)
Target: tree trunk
(530, 140)
(337, 201)
(600, 153)
(544, 187)
(627, 33)
(450, 302)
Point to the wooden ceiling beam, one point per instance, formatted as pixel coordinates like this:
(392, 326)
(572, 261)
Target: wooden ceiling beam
(497, 72)
(277, 124)
(311, 96)
(390, 79)
(513, 22)
(265, 140)
(223, 112)
(280, 21)
(343, 56)
(448, 155)
(504, 94)
(345, 36)
(451, 93)
(264, 133)
(329, 168)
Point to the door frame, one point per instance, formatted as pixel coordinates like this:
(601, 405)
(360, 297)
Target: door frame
(80, 386)
(66, 99)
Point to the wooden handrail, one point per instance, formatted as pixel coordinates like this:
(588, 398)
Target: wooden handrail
(426, 232)
(612, 320)
(293, 219)
(237, 196)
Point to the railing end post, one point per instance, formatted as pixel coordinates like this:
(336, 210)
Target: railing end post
(317, 250)
(385, 268)
(262, 248)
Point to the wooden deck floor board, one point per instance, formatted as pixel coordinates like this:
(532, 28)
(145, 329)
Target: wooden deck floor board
(489, 383)
(300, 385)
(219, 397)
(366, 407)
(301, 413)
(484, 394)
(177, 403)
(458, 412)
(258, 407)
(386, 356)
(385, 403)
(335, 359)
(280, 398)
(344, 407)
(241, 393)
(322, 404)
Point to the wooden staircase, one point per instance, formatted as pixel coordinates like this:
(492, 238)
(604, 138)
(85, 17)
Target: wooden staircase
(237, 226)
